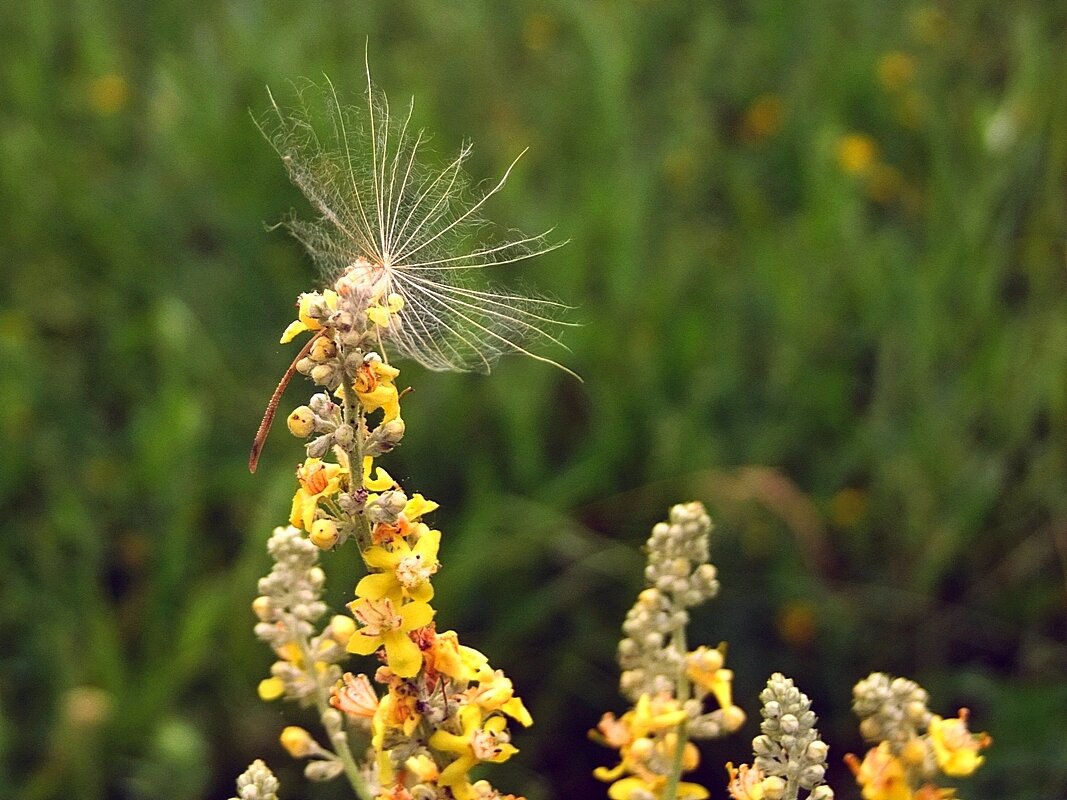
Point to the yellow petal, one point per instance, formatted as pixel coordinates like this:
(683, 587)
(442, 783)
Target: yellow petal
(417, 506)
(379, 484)
(379, 316)
(380, 558)
(416, 615)
(404, 655)
(515, 709)
(363, 645)
(422, 593)
(295, 329)
(379, 585)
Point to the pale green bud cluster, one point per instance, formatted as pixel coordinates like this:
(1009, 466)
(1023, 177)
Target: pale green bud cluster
(257, 783)
(678, 556)
(892, 710)
(789, 746)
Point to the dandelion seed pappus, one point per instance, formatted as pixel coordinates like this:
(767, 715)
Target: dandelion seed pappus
(400, 241)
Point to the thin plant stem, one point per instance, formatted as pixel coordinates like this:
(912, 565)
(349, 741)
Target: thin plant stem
(670, 791)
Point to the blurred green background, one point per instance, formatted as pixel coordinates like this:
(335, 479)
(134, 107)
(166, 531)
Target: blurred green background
(818, 249)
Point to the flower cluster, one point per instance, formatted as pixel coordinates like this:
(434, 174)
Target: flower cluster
(393, 239)
(911, 747)
(669, 685)
(444, 709)
(789, 755)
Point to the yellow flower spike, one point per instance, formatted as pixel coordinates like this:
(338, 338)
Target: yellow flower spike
(418, 506)
(318, 479)
(385, 625)
(955, 747)
(380, 483)
(406, 570)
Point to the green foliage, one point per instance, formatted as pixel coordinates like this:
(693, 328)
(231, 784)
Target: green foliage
(863, 375)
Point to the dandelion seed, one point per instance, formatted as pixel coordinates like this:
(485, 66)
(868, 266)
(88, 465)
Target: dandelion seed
(391, 228)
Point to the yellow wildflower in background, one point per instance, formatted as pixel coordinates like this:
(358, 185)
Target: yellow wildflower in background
(763, 118)
(856, 152)
(896, 70)
(955, 746)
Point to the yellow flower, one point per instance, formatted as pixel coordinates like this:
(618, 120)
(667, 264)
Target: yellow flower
(881, 774)
(384, 625)
(355, 697)
(406, 570)
(654, 714)
(480, 741)
(496, 692)
(304, 321)
(956, 747)
(455, 660)
(374, 388)
(704, 667)
(380, 314)
(746, 783)
(318, 479)
(379, 484)
(654, 785)
(895, 70)
(856, 152)
(417, 506)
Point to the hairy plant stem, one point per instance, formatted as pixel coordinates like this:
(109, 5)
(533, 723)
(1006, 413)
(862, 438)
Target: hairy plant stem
(354, 416)
(670, 791)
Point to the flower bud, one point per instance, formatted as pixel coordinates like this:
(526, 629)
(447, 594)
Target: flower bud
(342, 628)
(297, 741)
(301, 422)
(323, 350)
(817, 751)
(773, 788)
(317, 448)
(344, 436)
(263, 608)
(320, 770)
(322, 373)
(324, 534)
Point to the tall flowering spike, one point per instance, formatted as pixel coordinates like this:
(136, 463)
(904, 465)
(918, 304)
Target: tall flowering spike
(789, 748)
(386, 233)
(408, 231)
(669, 685)
(912, 749)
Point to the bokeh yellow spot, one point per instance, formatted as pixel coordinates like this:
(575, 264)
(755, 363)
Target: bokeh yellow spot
(108, 94)
(856, 152)
(797, 623)
(895, 70)
(763, 118)
(538, 31)
(848, 507)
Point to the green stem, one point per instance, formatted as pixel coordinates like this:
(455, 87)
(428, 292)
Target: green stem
(338, 737)
(670, 791)
(353, 415)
